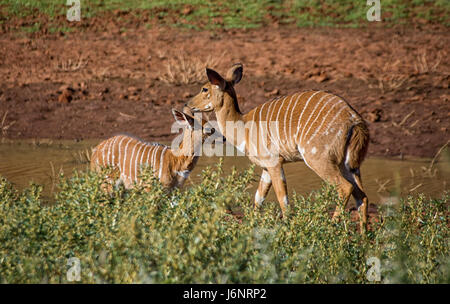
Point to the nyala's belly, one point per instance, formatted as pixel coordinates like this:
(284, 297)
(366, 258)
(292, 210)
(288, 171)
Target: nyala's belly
(274, 159)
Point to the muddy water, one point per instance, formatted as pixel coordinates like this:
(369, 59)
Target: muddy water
(41, 161)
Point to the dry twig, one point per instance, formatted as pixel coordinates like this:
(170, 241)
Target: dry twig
(186, 70)
(4, 127)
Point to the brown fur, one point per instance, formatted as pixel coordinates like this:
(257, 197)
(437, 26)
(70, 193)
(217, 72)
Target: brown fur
(126, 155)
(315, 126)
(358, 146)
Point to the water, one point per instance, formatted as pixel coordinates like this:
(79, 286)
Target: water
(40, 161)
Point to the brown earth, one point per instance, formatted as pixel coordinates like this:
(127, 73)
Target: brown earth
(94, 84)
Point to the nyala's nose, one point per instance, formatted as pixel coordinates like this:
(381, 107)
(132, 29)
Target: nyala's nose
(187, 106)
(187, 110)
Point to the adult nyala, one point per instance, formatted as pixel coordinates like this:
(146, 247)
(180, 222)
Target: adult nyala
(318, 127)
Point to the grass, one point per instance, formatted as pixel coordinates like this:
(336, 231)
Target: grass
(189, 236)
(60, 29)
(244, 14)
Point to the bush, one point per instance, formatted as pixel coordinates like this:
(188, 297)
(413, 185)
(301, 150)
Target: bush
(192, 236)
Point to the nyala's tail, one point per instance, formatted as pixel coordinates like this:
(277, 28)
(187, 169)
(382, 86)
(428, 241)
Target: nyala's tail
(357, 145)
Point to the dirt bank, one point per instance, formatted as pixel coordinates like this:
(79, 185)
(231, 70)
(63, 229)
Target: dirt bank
(91, 84)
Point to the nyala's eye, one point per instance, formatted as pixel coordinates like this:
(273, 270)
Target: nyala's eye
(205, 90)
(210, 130)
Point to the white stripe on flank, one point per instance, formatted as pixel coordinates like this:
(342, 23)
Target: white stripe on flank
(136, 163)
(131, 160)
(324, 119)
(268, 120)
(292, 140)
(113, 147)
(330, 97)
(148, 155)
(311, 114)
(334, 118)
(336, 137)
(285, 120)
(125, 158)
(161, 162)
(110, 141)
(110, 152)
(151, 159)
(120, 153)
(155, 154)
(142, 155)
(250, 135)
(262, 133)
(301, 115)
(103, 153)
(278, 129)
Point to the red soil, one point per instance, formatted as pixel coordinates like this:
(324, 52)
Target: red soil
(397, 79)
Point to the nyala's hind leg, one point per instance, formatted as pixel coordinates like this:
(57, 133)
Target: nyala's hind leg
(333, 175)
(362, 202)
(345, 189)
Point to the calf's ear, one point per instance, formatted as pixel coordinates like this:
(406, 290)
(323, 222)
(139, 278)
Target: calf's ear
(183, 118)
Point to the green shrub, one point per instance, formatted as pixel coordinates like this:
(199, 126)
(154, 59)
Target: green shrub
(191, 236)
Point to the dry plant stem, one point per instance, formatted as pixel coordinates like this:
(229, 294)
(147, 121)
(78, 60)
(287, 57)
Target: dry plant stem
(404, 119)
(71, 66)
(412, 172)
(382, 186)
(428, 171)
(52, 177)
(4, 126)
(422, 66)
(82, 157)
(127, 115)
(437, 154)
(415, 188)
(182, 69)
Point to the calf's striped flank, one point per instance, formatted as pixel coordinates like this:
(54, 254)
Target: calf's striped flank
(130, 155)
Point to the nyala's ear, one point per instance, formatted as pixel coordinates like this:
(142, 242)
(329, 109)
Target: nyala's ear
(215, 79)
(184, 119)
(188, 111)
(234, 74)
